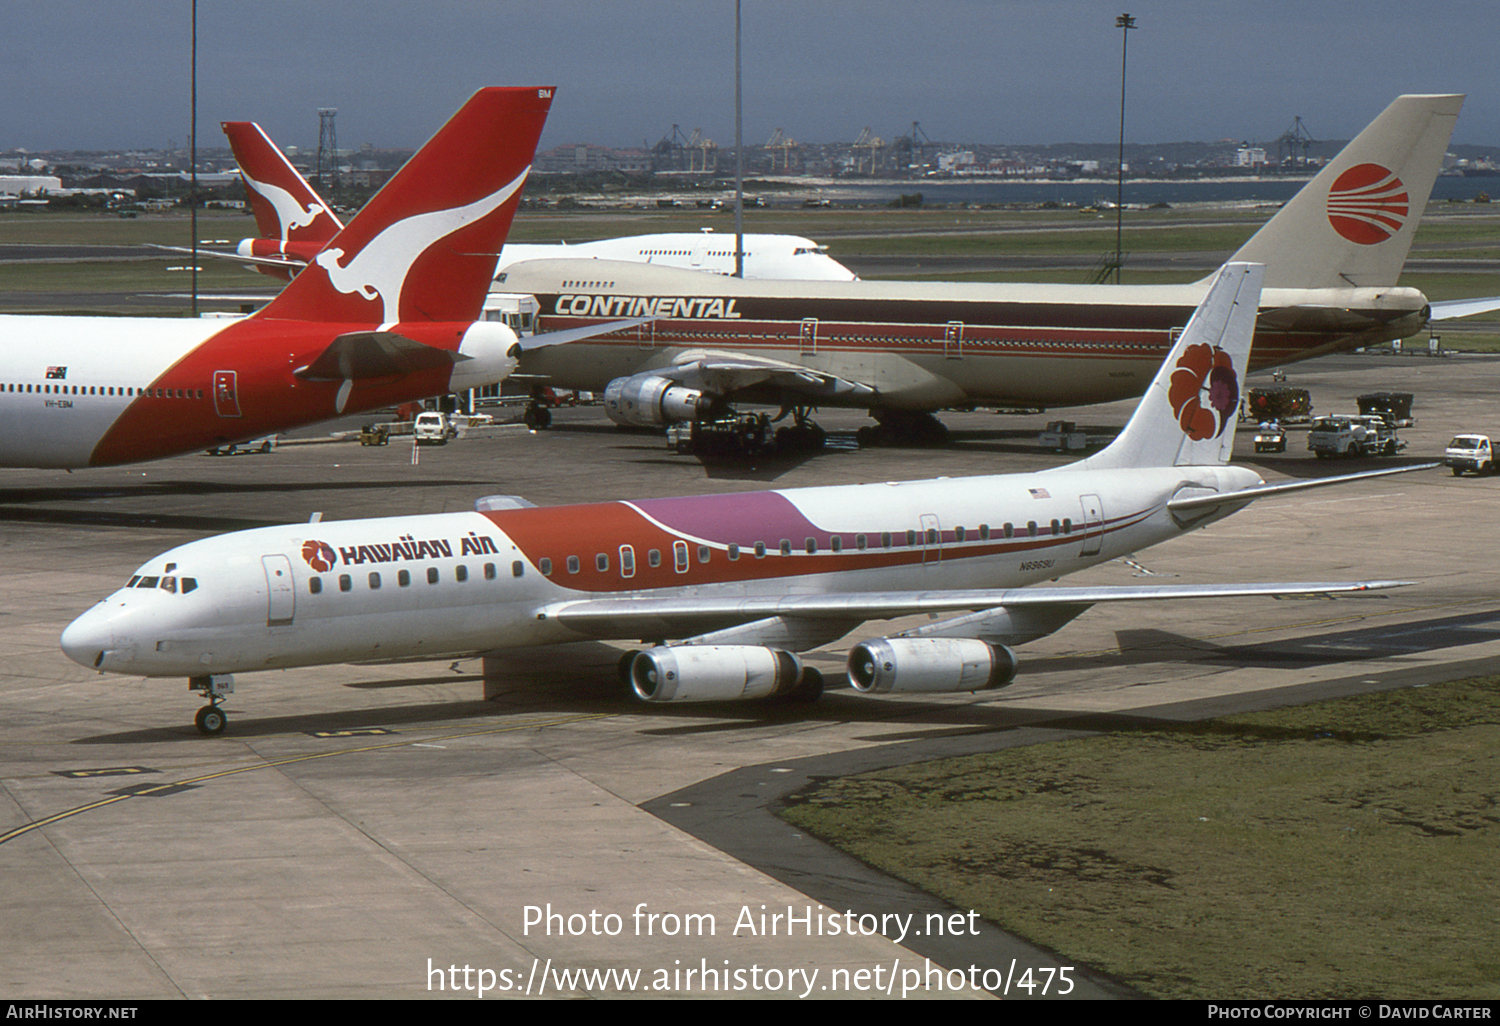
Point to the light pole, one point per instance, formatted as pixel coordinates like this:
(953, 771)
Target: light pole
(1124, 23)
(739, 159)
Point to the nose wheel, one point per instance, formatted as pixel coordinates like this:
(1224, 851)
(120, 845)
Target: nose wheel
(211, 720)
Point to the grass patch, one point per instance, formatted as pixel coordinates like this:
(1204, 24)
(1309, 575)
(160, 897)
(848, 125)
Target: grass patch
(1346, 849)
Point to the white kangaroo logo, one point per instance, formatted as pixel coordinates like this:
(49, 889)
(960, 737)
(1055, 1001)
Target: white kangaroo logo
(289, 211)
(379, 269)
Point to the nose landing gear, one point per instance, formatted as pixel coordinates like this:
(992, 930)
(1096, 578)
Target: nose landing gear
(211, 719)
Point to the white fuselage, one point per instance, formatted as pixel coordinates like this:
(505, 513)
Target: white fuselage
(64, 381)
(463, 583)
(101, 391)
(766, 256)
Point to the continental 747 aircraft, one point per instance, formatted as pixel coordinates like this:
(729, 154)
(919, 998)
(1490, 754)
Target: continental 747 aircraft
(388, 312)
(743, 582)
(904, 349)
(295, 224)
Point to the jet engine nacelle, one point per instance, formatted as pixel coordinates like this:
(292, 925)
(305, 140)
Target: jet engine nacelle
(713, 673)
(647, 400)
(930, 665)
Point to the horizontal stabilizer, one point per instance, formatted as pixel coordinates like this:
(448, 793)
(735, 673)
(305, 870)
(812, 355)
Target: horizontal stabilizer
(374, 354)
(1247, 495)
(1463, 308)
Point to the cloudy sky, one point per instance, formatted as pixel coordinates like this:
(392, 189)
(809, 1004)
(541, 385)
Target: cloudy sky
(100, 74)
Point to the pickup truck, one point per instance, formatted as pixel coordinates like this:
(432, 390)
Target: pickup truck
(1470, 452)
(1353, 435)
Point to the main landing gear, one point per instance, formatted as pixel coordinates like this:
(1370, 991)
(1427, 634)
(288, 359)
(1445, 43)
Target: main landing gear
(211, 719)
(746, 436)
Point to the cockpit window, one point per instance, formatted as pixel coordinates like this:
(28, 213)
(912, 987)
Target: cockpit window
(188, 584)
(169, 584)
(148, 582)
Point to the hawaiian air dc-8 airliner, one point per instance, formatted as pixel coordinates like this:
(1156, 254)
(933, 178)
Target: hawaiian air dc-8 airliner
(389, 311)
(295, 223)
(743, 582)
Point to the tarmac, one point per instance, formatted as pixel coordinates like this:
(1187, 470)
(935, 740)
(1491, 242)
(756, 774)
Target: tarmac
(384, 831)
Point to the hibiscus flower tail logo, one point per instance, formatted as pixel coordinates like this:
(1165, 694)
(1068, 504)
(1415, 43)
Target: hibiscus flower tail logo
(319, 555)
(1204, 391)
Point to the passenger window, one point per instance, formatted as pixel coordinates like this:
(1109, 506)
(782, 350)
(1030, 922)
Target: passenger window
(461, 573)
(517, 569)
(838, 543)
(734, 552)
(403, 578)
(374, 581)
(811, 546)
(345, 583)
(680, 557)
(315, 585)
(958, 534)
(1068, 526)
(860, 541)
(653, 558)
(703, 553)
(1056, 528)
(911, 538)
(546, 567)
(573, 566)
(601, 561)
(627, 561)
(760, 550)
(932, 536)
(885, 539)
(432, 575)
(1010, 530)
(490, 571)
(786, 546)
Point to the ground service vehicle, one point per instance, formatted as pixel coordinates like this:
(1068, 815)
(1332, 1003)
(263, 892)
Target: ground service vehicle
(1353, 435)
(1393, 406)
(433, 428)
(1286, 405)
(1470, 452)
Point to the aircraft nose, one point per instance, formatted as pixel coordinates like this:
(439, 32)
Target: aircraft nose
(88, 638)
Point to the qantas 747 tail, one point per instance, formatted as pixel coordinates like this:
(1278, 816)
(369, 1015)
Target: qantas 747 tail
(425, 247)
(292, 219)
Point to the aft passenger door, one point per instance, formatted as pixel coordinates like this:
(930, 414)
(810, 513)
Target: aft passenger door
(1093, 524)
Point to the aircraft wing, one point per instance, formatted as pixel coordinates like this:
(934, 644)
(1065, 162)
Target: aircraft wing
(562, 338)
(1447, 311)
(728, 373)
(683, 617)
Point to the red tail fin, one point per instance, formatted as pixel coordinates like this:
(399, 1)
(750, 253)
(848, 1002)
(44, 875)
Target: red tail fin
(286, 208)
(425, 247)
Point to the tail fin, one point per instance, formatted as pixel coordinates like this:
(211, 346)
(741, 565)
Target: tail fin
(286, 208)
(425, 247)
(1353, 224)
(1187, 416)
